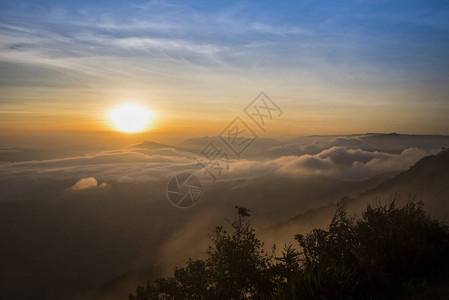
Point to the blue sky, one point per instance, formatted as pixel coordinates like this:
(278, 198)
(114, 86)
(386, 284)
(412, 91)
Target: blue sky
(324, 59)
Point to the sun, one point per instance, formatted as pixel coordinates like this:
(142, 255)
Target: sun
(130, 118)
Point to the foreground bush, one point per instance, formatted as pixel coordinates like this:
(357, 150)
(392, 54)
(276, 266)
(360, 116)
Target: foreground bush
(374, 256)
(377, 256)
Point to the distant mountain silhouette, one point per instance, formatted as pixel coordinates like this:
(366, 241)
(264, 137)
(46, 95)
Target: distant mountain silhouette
(393, 143)
(262, 148)
(259, 145)
(150, 145)
(195, 145)
(398, 142)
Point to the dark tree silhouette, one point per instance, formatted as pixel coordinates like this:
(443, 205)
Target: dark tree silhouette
(381, 255)
(237, 267)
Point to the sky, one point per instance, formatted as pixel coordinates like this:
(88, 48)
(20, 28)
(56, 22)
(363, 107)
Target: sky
(334, 67)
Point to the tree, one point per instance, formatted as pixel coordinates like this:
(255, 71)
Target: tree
(377, 255)
(237, 267)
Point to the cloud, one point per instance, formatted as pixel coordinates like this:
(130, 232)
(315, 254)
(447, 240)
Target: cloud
(277, 30)
(349, 164)
(146, 165)
(345, 156)
(120, 165)
(338, 162)
(88, 183)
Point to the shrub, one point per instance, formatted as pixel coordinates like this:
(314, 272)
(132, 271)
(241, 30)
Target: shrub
(380, 255)
(372, 256)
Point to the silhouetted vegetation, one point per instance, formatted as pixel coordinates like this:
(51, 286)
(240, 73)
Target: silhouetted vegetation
(384, 254)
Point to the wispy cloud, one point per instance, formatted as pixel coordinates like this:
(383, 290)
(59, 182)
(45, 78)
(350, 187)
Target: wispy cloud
(160, 46)
(277, 30)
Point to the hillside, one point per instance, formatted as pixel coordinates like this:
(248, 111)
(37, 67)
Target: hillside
(427, 180)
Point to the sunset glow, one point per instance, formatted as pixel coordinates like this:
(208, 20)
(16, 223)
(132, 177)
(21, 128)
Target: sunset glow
(130, 118)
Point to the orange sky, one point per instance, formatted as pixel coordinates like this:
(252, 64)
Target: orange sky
(65, 68)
